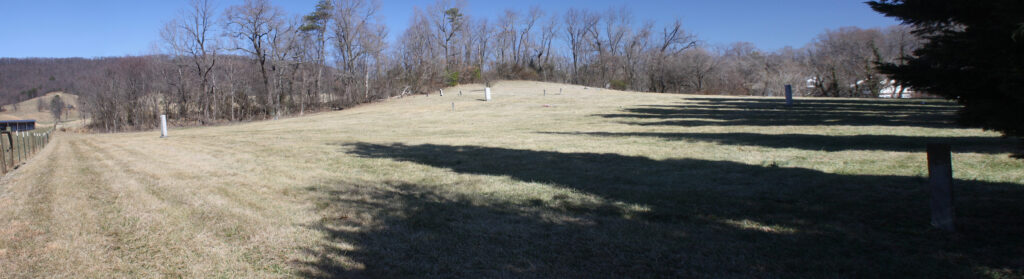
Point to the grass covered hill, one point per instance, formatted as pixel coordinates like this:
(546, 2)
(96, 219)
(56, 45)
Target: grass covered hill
(29, 109)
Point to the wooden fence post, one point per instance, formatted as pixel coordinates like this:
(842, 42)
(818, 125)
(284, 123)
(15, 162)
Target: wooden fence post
(17, 140)
(11, 142)
(940, 181)
(3, 156)
(10, 150)
(24, 148)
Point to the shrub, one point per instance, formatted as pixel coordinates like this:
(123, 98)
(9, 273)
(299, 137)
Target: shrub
(618, 84)
(452, 78)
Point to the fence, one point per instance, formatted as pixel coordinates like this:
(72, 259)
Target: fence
(17, 147)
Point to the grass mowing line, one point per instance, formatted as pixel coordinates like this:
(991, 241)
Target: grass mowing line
(27, 217)
(120, 230)
(71, 232)
(227, 227)
(215, 170)
(196, 223)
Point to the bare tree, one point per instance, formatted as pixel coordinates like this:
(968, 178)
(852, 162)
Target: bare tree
(447, 18)
(191, 38)
(524, 42)
(844, 63)
(418, 55)
(358, 41)
(315, 25)
(577, 24)
(673, 40)
(252, 25)
(481, 43)
(637, 45)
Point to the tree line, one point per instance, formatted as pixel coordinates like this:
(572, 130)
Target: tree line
(255, 61)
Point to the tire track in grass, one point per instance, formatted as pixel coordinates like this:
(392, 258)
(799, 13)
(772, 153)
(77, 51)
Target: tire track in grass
(222, 230)
(26, 212)
(164, 224)
(111, 224)
(217, 172)
(78, 230)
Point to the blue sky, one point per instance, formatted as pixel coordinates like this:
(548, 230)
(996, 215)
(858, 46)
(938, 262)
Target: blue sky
(79, 28)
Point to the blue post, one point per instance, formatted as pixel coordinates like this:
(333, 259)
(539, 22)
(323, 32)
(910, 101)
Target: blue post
(789, 95)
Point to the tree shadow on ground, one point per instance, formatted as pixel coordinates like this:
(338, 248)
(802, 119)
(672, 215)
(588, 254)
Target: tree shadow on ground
(985, 145)
(774, 112)
(700, 219)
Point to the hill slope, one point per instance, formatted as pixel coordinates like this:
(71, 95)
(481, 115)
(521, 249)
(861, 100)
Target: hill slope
(29, 109)
(589, 183)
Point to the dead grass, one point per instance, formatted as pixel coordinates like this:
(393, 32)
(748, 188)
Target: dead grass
(29, 109)
(590, 183)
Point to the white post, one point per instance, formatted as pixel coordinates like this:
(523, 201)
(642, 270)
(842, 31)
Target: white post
(163, 125)
(441, 91)
(487, 94)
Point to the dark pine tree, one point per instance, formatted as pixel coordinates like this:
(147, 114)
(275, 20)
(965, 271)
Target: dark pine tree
(974, 54)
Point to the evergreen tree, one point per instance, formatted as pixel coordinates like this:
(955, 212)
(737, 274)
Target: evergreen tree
(974, 54)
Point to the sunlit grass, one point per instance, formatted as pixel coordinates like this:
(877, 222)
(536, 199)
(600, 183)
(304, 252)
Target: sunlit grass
(589, 183)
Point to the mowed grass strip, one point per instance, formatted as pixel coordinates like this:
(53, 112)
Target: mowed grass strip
(588, 183)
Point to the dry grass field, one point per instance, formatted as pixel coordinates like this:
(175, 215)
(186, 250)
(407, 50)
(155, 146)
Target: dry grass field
(589, 183)
(29, 109)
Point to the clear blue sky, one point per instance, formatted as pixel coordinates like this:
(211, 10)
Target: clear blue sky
(78, 28)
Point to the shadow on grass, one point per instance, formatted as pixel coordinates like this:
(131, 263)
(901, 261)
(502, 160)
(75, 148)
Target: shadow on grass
(774, 112)
(986, 145)
(703, 219)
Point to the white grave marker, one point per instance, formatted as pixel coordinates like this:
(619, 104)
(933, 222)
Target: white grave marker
(163, 125)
